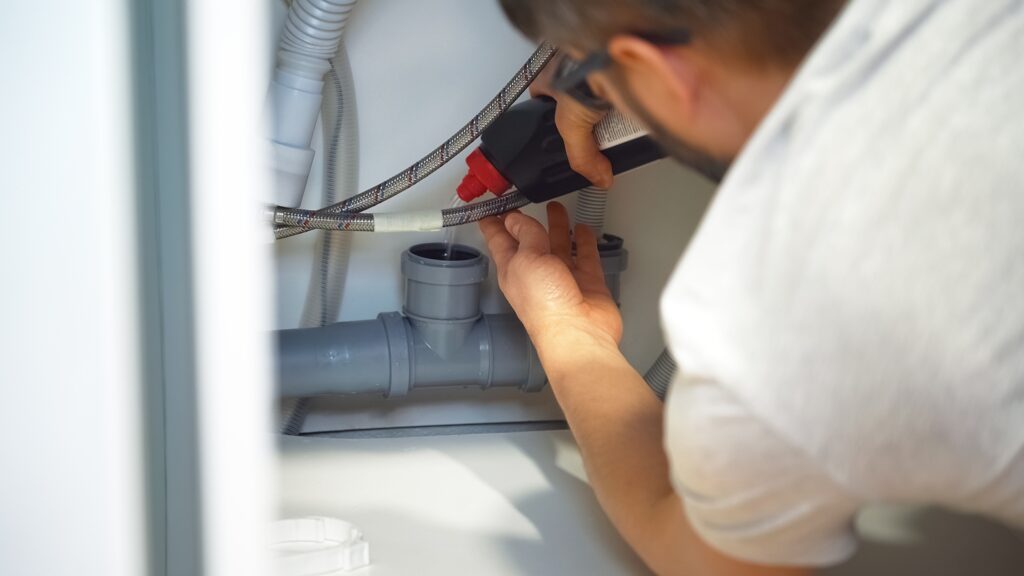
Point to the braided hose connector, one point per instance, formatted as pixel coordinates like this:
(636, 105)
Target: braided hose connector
(312, 220)
(446, 151)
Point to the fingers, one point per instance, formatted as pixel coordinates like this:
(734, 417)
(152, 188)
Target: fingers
(500, 243)
(558, 232)
(530, 234)
(541, 86)
(516, 232)
(575, 123)
(589, 272)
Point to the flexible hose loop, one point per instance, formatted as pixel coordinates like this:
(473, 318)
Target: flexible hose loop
(439, 156)
(364, 222)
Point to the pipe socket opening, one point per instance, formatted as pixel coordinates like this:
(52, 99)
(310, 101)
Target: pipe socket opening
(442, 253)
(440, 289)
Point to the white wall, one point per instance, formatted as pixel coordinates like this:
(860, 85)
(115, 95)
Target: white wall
(70, 427)
(230, 279)
(422, 69)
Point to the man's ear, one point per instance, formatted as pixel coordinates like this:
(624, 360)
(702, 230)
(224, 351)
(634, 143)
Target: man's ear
(665, 78)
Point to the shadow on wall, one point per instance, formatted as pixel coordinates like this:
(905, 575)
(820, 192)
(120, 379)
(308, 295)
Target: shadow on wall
(932, 542)
(572, 534)
(557, 459)
(895, 540)
(900, 540)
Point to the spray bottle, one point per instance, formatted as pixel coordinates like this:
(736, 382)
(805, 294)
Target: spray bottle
(523, 148)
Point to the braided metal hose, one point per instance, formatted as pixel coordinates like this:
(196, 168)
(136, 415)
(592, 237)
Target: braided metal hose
(366, 222)
(313, 220)
(512, 200)
(429, 163)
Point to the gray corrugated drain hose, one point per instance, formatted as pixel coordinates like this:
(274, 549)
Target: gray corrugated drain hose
(659, 376)
(294, 411)
(591, 205)
(341, 180)
(341, 177)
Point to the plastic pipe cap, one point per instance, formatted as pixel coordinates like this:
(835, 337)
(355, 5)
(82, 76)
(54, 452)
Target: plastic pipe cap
(471, 188)
(482, 176)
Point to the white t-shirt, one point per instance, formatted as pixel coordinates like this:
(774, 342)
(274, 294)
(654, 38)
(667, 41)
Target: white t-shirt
(849, 319)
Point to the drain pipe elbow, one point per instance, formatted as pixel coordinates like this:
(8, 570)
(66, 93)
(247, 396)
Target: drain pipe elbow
(496, 354)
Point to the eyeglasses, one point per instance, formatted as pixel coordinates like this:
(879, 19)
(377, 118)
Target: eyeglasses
(571, 76)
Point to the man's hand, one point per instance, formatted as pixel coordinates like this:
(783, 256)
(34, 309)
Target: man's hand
(616, 420)
(576, 123)
(554, 293)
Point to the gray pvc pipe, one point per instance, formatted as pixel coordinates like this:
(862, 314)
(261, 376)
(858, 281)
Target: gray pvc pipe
(443, 340)
(343, 358)
(496, 354)
(388, 356)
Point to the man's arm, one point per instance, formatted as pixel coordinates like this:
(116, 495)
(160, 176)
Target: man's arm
(616, 420)
(617, 423)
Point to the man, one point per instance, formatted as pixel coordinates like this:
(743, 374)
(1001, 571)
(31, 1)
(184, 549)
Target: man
(848, 320)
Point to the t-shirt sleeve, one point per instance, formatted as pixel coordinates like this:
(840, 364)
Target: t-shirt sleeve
(747, 492)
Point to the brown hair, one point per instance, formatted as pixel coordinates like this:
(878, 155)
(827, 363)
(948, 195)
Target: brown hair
(760, 32)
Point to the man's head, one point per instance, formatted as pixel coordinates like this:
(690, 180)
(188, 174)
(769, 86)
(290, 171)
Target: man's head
(709, 93)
